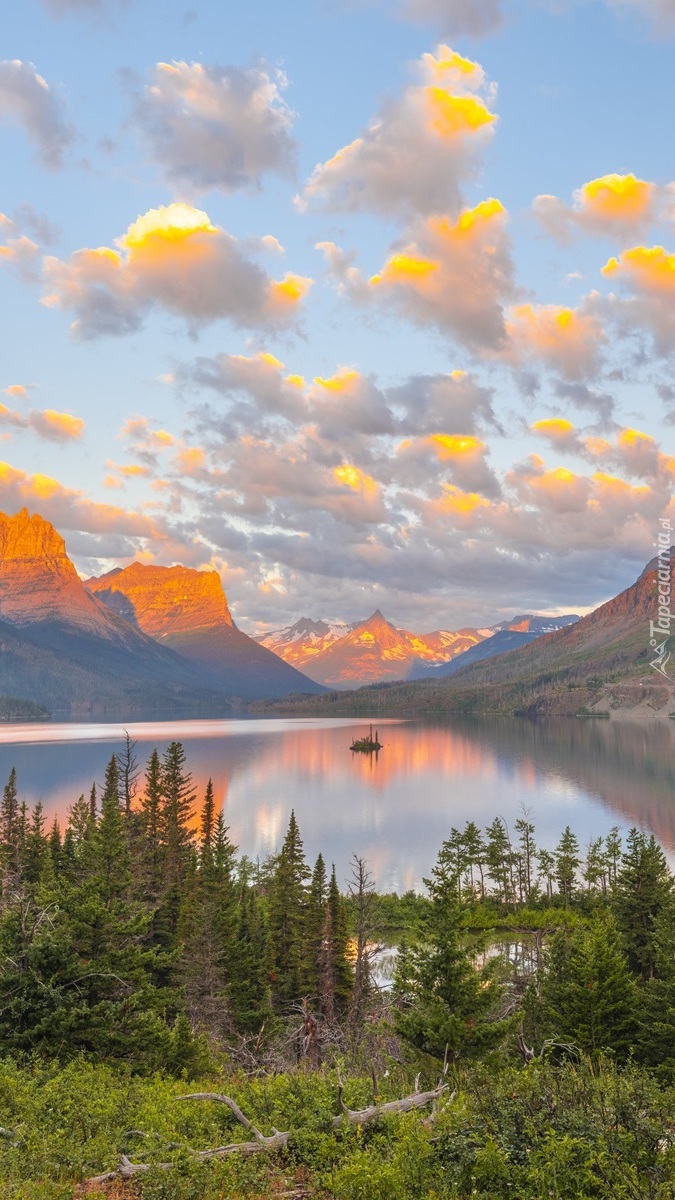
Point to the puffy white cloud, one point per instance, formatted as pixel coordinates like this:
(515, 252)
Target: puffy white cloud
(17, 251)
(25, 97)
(611, 206)
(454, 275)
(217, 127)
(47, 423)
(569, 340)
(415, 155)
(172, 258)
(648, 272)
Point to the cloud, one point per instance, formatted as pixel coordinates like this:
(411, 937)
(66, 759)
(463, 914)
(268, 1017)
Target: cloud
(25, 97)
(18, 251)
(649, 271)
(415, 155)
(48, 424)
(611, 206)
(660, 13)
(215, 127)
(568, 340)
(432, 403)
(60, 8)
(171, 258)
(454, 18)
(454, 275)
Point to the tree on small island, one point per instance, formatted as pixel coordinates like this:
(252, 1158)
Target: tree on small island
(367, 745)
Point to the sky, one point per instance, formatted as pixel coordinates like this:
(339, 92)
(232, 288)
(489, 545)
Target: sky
(363, 303)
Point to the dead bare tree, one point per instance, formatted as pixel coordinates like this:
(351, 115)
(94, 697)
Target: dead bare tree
(278, 1139)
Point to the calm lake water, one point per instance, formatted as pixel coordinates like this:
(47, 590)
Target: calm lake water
(396, 809)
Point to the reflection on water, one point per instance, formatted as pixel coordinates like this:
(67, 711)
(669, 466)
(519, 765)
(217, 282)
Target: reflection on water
(396, 809)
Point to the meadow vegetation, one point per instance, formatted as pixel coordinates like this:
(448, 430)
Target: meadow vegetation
(525, 1048)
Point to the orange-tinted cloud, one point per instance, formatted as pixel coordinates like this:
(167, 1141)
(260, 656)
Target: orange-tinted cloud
(454, 274)
(175, 259)
(46, 423)
(611, 206)
(648, 272)
(569, 340)
(414, 156)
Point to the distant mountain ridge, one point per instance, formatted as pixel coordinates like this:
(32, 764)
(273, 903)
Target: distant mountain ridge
(341, 656)
(368, 651)
(600, 664)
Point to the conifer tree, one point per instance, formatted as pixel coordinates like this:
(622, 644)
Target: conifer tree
(315, 924)
(443, 1000)
(566, 864)
(10, 836)
(643, 895)
(588, 994)
(336, 976)
(178, 797)
(250, 985)
(287, 910)
(36, 846)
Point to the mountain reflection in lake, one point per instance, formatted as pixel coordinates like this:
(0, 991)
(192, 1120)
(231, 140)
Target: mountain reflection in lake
(394, 810)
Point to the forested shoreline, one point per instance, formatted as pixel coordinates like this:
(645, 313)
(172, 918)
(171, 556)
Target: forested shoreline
(142, 958)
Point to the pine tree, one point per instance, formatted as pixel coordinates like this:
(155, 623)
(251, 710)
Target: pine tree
(643, 895)
(443, 1000)
(10, 836)
(588, 995)
(37, 849)
(336, 978)
(206, 828)
(178, 797)
(528, 851)
(566, 864)
(150, 821)
(250, 985)
(287, 909)
(314, 932)
(498, 856)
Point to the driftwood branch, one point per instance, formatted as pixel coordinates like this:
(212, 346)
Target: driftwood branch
(278, 1139)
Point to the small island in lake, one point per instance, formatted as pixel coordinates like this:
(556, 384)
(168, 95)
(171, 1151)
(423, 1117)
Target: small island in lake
(367, 745)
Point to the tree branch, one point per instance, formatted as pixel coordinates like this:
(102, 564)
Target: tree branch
(279, 1139)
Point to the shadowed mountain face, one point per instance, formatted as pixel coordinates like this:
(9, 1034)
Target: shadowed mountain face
(186, 610)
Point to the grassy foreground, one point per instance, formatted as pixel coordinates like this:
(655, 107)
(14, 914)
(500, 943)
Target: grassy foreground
(545, 1130)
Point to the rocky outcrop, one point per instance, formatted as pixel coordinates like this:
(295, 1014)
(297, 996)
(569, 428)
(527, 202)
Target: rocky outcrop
(164, 600)
(39, 583)
(187, 611)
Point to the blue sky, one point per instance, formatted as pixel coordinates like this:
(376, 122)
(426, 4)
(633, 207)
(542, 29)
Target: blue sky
(534, 481)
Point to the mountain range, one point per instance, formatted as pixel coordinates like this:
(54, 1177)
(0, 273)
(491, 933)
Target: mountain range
(345, 656)
(599, 665)
(161, 640)
(63, 648)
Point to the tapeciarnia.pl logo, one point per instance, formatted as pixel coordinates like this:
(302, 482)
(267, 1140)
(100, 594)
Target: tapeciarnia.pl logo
(661, 626)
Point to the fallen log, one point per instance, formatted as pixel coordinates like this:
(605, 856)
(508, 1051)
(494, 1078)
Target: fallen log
(278, 1139)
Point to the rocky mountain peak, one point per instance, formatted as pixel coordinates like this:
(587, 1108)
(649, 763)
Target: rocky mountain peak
(164, 600)
(38, 582)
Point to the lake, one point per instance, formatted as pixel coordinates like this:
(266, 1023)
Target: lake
(395, 809)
